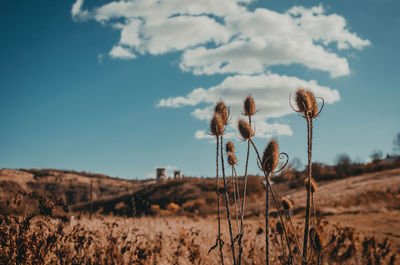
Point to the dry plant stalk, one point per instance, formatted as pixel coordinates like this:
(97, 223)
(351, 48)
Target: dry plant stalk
(222, 111)
(246, 132)
(232, 160)
(269, 162)
(216, 129)
(266, 174)
(308, 107)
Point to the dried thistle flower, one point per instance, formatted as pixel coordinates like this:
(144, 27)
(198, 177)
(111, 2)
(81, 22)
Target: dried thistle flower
(287, 204)
(229, 147)
(217, 125)
(222, 110)
(245, 129)
(232, 160)
(271, 156)
(249, 106)
(314, 186)
(304, 101)
(317, 239)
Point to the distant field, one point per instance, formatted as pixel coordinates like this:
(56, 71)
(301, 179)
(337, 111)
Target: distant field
(353, 209)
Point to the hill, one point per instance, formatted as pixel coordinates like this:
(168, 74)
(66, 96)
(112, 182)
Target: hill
(70, 186)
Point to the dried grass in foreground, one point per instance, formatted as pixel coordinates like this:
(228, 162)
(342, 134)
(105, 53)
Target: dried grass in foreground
(171, 240)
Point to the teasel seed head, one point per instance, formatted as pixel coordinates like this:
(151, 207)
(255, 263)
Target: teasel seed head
(287, 204)
(223, 111)
(279, 228)
(229, 147)
(271, 156)
(216, 125)
(314, 186)
(305, 101)
(245, 129)
(232, 160)
(249, 106)
(317, 239)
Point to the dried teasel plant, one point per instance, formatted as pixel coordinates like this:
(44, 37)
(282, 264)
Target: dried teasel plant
(269, 159)
(287, 204)
(269, 162)
(217, 124)
(246, 132)
(222, 110)
(217, 129)
(249, 107)
(245, 129)
(229, 147)
(232, 161)
(307, 106)
(317, 242)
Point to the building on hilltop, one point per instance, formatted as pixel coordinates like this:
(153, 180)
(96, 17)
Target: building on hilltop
(161, 174)
(177, 174)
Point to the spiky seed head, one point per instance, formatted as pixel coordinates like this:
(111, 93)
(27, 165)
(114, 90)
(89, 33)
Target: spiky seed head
(223, 111)
(287, 204)
(249, 106)
(317, 239)
(271, 156)
(302, 100)
(232, 160)
(305, 101)
(245, 129)
(229, 147)
(314, 186)
(279, 228)
(216, 125)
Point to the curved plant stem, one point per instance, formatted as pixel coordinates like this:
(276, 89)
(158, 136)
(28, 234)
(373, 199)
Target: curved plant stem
(219, 214)
(235, 199)
(276, 205)
(307, 221)
(244, 200)
(227, 204)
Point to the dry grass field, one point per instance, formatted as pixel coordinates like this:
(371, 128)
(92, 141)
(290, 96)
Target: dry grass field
(358, 212)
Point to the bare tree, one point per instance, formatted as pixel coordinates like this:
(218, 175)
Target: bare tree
(376, 155)
(343, 165)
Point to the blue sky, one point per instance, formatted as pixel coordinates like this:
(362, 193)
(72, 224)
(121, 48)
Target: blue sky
(107, 86)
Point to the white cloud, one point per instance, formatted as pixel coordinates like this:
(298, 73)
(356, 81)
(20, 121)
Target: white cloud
(253, 56)
(243, 41)
(121, 53)
(77, 12)
(326, 28)
(271, 94)
(201, 134)
(231, 37)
